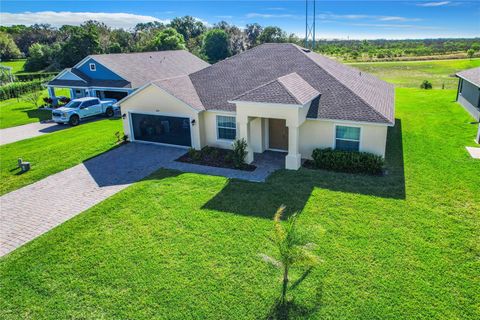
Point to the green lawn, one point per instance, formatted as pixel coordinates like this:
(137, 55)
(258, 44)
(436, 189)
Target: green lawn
(410, 74)
(54, 152)
(16, 65)
(15, 112)
(186, 246)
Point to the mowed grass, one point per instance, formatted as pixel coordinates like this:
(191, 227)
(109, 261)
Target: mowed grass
(16, 65)
(16, 112)
(54, 152)
(411, 74)
(187, 246)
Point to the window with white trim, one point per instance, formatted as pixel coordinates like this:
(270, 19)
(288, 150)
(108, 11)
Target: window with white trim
(226, 128)
(347, 138)
(93, 67)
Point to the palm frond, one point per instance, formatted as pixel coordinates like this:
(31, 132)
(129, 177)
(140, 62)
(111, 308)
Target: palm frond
(270, 260)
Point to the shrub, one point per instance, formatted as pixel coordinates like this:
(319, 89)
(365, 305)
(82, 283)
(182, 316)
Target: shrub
(348, 161)
(64, 100)
(45, 76)
(239, 153)
(194, 154)
(426, 85)
(16, 89)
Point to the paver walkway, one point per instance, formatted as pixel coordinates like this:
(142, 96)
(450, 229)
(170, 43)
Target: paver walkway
(26, 131)
(29, 212)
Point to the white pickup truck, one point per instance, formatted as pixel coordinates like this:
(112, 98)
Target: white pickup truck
(79, 109)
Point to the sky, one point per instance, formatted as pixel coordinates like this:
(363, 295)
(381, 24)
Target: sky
(388, 19)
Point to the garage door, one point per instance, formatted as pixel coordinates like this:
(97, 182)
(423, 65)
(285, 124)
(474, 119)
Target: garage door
(161, 129)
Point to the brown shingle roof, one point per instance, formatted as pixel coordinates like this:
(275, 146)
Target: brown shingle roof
(471, 75)
(345, 93)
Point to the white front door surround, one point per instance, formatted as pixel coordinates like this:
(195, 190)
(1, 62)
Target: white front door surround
(295, 116)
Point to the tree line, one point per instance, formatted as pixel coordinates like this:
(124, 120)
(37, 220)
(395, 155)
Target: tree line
(48, 48)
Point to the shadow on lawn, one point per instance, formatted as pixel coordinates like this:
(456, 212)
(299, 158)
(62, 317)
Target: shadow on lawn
(39, 114)
(293, 309)
(295, 187)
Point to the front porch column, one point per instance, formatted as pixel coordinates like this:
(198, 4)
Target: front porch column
(51, 94)
(293, 160)
(244, 128)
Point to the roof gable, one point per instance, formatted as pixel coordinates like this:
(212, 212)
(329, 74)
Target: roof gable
(288, 89)
(101, 72)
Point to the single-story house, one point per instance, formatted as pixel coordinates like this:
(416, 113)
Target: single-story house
(117, 75)
(468, 94)
(278, 97)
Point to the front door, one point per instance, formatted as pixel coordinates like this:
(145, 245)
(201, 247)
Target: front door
(277, 134)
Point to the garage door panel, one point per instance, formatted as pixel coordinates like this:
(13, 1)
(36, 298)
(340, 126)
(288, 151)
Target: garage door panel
(161, 129)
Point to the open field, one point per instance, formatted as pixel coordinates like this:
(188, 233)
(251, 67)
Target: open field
(410, 74)
(187, 246)
(54, 152)
(16, 65)
(15, 112)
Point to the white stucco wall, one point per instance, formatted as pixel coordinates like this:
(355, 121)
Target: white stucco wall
(153, 100)
(312, 133)
(321, 134)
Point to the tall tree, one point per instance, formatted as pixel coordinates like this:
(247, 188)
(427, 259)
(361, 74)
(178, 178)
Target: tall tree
(215, 45)
(103, 32)
(168, 39)
(188, 26)
(237, 40)
(272, 34)
(81, 43)
(8, 48)
(252, 32)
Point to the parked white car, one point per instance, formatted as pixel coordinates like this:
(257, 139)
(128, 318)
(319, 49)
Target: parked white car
(79, 109)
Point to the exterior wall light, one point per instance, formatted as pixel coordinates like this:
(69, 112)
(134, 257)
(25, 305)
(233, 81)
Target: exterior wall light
(193, 122)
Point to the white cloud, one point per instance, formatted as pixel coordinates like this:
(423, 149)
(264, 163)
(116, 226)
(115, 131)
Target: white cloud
(114, 20)
(224, 17)
(269, 15)
(399, 19)
(433, 4)
(393, 26)
(332, 16)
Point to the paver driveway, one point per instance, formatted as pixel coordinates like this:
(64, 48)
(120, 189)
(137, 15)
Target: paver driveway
(28, 212)
(26, 131)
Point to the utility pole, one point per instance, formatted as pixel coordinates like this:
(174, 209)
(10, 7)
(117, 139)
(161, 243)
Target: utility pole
(310, 25)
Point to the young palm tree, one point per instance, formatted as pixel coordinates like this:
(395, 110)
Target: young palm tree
(290, 248)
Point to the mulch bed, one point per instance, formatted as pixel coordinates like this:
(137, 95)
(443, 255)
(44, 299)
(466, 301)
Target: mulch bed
(213, 157)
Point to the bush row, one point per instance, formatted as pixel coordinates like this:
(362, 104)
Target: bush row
(348, 161)
(16, 89)
(34, 76)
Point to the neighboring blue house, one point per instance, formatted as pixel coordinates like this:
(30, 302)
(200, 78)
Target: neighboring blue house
(117, 75)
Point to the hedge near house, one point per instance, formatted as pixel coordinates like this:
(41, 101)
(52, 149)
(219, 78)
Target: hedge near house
(16, 89)
(348, 161)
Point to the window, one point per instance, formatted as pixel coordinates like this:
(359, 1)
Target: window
(347, 138)
(93, 67)
(226, 128)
